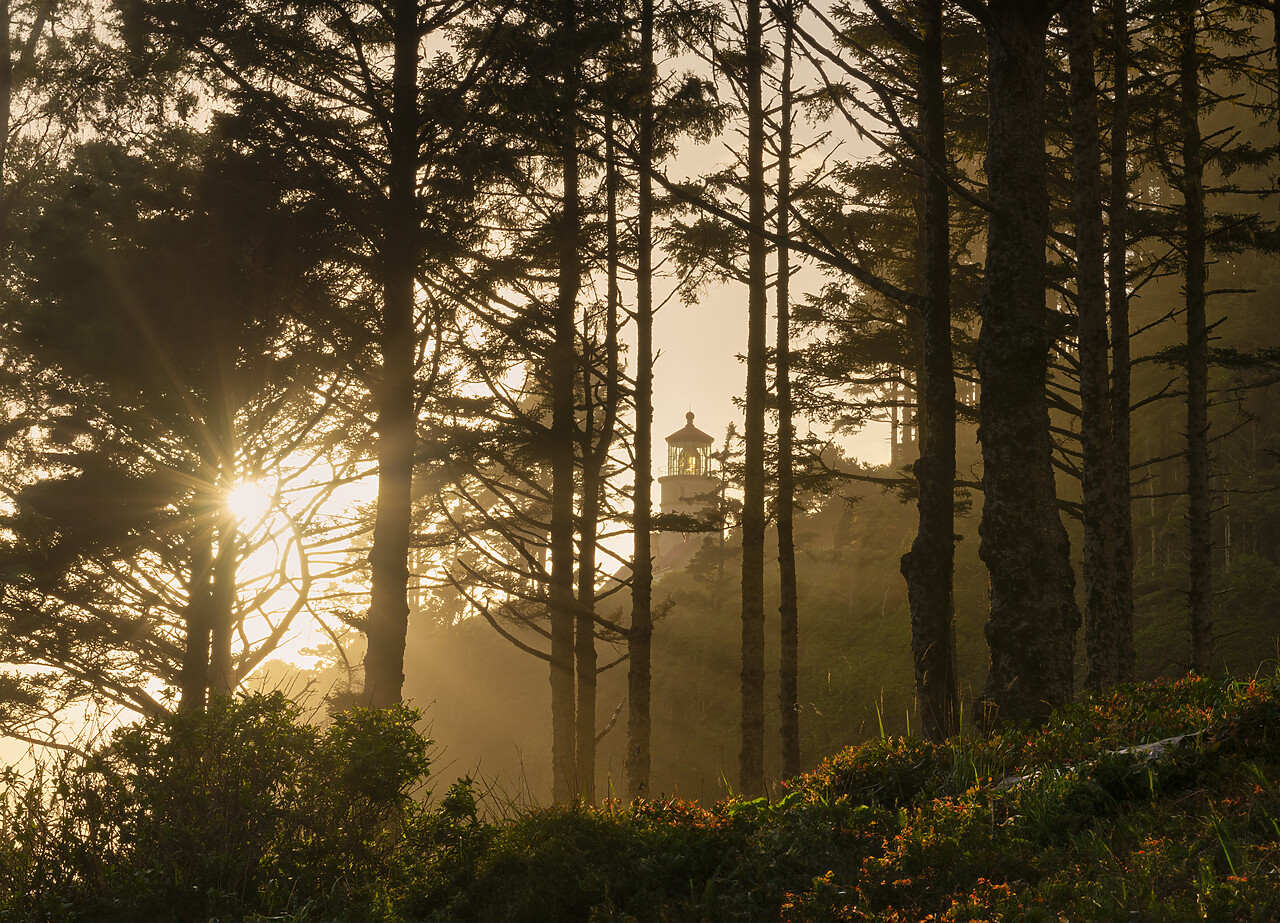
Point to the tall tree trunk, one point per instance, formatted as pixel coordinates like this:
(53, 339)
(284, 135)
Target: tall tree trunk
(394, 390)
(222, 673)
(194, 678)
(929, 566)
(1033, 617)
(6, 116)
(640, 634)
(789, 608)
(1118, 296)
(751, 757)
(17, 54)
(562, 603)
(1103, 645)
(598, 438)
(1200, 597)
(584, 642)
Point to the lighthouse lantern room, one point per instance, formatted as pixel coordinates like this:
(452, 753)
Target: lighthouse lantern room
(689, 486)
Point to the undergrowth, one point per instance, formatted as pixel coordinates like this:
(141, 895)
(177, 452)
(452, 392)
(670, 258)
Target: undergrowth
(248, 813)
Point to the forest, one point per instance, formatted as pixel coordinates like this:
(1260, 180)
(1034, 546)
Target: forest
(330, 342)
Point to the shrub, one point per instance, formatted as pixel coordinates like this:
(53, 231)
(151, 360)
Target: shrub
(242, 809)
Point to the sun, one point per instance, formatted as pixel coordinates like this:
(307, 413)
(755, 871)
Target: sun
(249, 501)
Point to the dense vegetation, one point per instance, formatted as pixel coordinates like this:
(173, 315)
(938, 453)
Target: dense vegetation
(486, 703)
(248, 813)
(339, 314)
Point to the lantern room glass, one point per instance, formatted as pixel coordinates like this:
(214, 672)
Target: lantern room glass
(689, 460)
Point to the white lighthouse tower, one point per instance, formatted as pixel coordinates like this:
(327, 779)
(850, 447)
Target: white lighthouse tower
(689, 488)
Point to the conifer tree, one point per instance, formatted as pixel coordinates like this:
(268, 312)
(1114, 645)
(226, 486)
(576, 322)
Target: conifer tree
(640, 633)
(388, 140)
(788, 609)
(1120, 490)
(153, 319)
(1033, 618)
(1109, 647)
(751, 757)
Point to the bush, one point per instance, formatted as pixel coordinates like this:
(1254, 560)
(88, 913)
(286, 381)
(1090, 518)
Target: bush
(247, 812)
(240, 810)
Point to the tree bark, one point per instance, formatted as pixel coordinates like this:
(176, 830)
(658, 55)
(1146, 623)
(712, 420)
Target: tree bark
(1118, 296)
(789, 608)
(561, 362)
(222, 673)
(597, 440)
(929, 566)
(194, 678)
(640, 634)
(394, 391)
(751, 757)
(6, 116)
(584, 640)
(1200, 537)
(1033, 616)
(1103, 644)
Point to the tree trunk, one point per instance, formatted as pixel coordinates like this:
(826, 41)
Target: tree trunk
(1118, 295)
(789, 608)
(1103, 644)
(562, 603)
(1200, 597)
(394, 391)
(597, 440)
(1033, 617)
(194, 679)
(751, 758)
(222, 673)
(928, 567)
(640, 635)
(584, 640)
(6, 116)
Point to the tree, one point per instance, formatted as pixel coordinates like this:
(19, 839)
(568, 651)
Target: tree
(544, 362)
(389, 143)
(1199, 58)
(892, 344)
(788, 609)
(154, 318)
(928, 567)
(640, 633)
(1120, 394)
(1033, 616)
(1200, 595)
(751, 758)
(1108, 636)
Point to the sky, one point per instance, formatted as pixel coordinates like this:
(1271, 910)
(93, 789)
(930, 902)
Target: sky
(698, 370)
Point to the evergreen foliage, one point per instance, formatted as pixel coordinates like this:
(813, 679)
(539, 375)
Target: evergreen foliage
(293, 247)
(1165, 792)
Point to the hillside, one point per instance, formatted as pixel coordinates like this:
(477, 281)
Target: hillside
(488, 703)
(249, 814)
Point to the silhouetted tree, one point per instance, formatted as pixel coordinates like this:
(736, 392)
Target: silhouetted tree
(155, 318)
(788, 609)
(385, 136)
(751, 758)
(1033, 617)
(640, 633)
(1108, 645)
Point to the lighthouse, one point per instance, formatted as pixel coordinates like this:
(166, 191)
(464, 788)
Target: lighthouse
(688, 488)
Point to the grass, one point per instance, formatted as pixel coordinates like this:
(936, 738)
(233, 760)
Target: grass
(1063, 821)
